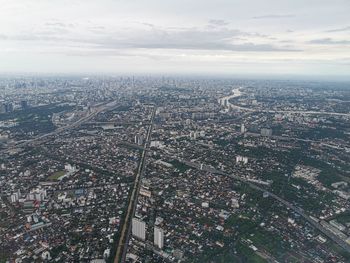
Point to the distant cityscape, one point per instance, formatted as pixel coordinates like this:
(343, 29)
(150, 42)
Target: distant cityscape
(170, 169)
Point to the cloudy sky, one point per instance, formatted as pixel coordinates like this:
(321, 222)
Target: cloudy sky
(231, 37)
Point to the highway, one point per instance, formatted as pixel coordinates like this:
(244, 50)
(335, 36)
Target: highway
(298, 210)
(126, 228)
(94, 112)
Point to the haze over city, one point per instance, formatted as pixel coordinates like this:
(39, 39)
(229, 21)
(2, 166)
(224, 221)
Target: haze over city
(224, 37)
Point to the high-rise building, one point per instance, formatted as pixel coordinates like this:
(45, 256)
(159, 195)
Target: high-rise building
(243, 129)
(241, 159)
(139, 139)
(139, 228)
(266, 132)
(14, 197)
(24, 104)
(2, 108)
(158, 237)
(8, 107)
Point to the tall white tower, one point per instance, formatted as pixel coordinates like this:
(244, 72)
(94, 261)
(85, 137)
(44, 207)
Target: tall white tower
(158, 237)
(243, 129)
(139, 229)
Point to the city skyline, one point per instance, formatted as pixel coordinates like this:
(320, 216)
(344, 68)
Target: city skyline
(234, 38)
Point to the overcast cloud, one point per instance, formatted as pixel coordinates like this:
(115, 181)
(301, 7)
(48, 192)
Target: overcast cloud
(309, 37)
